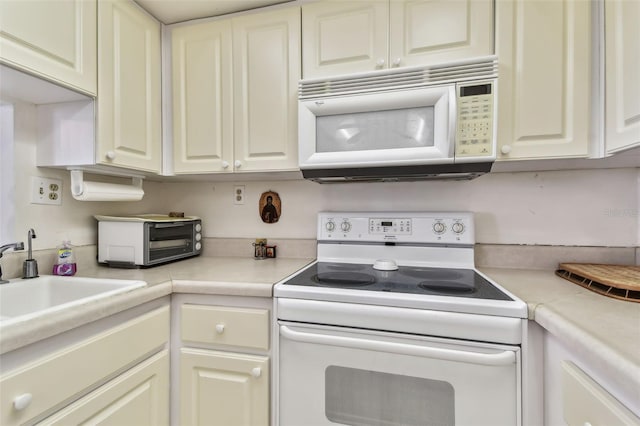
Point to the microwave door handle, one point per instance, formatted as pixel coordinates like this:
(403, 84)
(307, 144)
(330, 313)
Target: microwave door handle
(453, 119)
(498, 359)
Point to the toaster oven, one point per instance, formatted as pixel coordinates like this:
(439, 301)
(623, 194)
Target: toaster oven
(147, 240)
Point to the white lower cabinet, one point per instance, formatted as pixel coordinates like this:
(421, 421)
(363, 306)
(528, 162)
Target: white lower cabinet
(137, 397)
(578, 390)
(223, 367)
(223, 388)
(585, 402)
(114, 359)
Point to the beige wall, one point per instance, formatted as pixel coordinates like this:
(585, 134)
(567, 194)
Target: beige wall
(596, 207)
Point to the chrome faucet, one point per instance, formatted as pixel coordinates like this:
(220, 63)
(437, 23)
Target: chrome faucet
(30, 266)
(15, 246)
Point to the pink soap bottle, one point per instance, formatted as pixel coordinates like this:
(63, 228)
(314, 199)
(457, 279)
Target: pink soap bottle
(65, 263)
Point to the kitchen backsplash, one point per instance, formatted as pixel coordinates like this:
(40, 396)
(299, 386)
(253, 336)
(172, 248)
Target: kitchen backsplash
(593, 208)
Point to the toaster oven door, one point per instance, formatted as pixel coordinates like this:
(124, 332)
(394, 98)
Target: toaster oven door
(167, 241)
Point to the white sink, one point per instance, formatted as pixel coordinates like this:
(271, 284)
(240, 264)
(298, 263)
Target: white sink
(25, 299)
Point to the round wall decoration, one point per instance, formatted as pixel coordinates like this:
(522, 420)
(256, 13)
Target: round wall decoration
(270, 207)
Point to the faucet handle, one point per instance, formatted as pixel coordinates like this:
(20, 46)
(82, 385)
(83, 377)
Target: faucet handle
(19, 246)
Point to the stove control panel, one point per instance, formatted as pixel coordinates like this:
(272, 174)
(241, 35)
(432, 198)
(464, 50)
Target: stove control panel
(385, 227)
(390, 226)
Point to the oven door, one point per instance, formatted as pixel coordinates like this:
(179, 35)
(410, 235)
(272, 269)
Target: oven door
(330, 375)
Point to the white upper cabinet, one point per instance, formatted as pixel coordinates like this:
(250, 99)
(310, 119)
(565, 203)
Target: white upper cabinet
(424, 32)
(622, 75)
(266, 60)
(544, 93)
(356, 36)
(235, 93)
(202, 97)
(55, 40)
(129, 87)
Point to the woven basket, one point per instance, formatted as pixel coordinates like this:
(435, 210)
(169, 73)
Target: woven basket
(618, 281)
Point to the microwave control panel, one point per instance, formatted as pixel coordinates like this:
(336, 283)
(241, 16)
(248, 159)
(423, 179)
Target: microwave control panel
(475, 132)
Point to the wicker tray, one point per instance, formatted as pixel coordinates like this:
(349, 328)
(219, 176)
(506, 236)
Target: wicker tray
(618, 281)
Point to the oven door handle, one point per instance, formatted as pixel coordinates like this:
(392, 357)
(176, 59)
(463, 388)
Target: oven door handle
(507, 357)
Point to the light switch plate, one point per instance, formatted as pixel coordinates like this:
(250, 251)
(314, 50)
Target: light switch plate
(46, 191)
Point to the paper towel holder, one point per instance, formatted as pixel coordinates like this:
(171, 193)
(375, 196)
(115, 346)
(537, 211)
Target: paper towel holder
(77, 182)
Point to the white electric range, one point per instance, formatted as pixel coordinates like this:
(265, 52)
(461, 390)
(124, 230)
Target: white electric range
(393, 325)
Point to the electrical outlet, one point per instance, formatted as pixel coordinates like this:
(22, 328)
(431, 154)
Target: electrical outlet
(238, 194)
(46, 191)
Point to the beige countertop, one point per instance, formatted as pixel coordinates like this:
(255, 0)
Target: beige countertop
(604, 331)
(607, 330)
(204, 275)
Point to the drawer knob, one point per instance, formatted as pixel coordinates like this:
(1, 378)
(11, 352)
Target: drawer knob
(256, 372)
(22, 401)
(219, 328)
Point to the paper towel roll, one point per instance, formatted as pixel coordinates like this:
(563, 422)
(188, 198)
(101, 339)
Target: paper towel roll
(101, 191)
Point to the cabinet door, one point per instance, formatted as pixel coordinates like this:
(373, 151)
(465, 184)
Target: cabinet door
(622, 86)
(52, 39)
(219, 388)
(138, 397)
(202, 97)
(544, 93)
(344, 37)
(266, 57)
(423, 32)
(129, 101)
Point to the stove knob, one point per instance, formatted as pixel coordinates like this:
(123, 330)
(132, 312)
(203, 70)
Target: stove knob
(439, 227)
(458, 228)
(330, 226)
(345, 226)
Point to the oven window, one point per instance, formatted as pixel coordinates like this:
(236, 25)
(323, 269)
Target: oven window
(362, 397)
(374, 130)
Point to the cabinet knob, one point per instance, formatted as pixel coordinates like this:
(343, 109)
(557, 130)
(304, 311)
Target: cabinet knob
(111, 155)
(225, 164)
(506, 149)
(380, 63)
(22, 401)
(237, 164)
(396, 62)
(256, 372)
(219, 328)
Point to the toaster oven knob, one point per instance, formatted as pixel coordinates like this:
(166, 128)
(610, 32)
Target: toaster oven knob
(198, 237)
(330, 226)
(219, 328)
(198, 246)
(439, 227)
(198, 227)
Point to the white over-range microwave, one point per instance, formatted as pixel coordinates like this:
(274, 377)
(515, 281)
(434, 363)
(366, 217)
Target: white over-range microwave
(434, 122)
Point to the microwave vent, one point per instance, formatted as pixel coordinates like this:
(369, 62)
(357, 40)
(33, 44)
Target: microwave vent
(400, 78)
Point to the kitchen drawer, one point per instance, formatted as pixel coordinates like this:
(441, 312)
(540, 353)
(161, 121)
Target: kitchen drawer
(223, 325)
(585, 402)
(60, 376)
